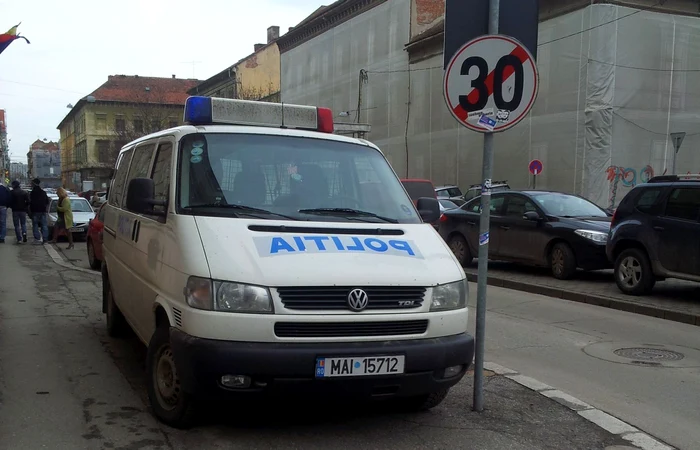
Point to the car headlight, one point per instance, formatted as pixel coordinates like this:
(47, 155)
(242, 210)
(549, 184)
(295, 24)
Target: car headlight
(241, 298)
(203, 293)
(595, 236)
(450, 296)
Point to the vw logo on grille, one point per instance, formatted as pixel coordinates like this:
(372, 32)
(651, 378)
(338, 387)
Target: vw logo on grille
(357, 299)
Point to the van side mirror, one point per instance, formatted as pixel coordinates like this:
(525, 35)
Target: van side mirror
(140, 197)
(429, 209)
(532, 216)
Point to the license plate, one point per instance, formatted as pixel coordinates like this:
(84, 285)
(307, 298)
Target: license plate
(359, 366)
(76, 230)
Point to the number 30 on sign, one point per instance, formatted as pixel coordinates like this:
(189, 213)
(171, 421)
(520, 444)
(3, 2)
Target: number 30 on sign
(491, 75)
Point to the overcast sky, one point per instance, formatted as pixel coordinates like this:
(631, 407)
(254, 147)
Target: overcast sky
(76, 44)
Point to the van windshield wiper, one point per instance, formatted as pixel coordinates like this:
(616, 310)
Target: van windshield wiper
(346, 212)
(242, 208)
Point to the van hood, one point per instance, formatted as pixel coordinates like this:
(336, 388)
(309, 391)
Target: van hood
(276, 254)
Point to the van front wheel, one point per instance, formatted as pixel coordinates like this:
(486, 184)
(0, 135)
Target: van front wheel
(171, 405)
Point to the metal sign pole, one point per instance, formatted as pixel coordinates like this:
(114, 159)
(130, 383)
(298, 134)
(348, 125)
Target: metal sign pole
(484, 224)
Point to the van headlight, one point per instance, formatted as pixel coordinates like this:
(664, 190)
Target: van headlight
(450, 296)
(202, 293)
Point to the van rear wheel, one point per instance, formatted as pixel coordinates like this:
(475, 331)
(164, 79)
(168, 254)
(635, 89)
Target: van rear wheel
(116, 323)
(170, 403)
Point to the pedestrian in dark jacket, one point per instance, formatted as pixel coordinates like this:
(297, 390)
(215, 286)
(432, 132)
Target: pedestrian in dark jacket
(5, 199)
(19, 205)
(39, 206)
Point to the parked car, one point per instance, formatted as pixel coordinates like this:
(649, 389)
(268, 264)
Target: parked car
(82, 213)
(655, 234)
(452, 193)
(98, 199)
(446, 204)
(539, 228)
(417, 188)
(475, 189)
(94, 239)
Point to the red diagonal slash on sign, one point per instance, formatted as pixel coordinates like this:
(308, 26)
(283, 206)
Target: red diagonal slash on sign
(474, 94)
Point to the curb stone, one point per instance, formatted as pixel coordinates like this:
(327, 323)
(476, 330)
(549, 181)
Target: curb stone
(591, 299)
(53, 253)
(602, 419)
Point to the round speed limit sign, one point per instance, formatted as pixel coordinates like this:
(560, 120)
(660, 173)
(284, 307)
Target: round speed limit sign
(491, 83)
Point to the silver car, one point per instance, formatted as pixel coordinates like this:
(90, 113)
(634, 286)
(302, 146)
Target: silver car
(82, 214)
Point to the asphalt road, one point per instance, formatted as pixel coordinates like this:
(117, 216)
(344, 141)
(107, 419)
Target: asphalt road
(571, 346)
(54, 356)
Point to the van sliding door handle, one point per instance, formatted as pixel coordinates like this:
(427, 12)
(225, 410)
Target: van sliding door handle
(138, 230)
(503, 227)
(658, 228)
(133, 230)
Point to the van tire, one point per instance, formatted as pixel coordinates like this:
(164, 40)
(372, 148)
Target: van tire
(116, 323)
(423, 402)
(170, 404)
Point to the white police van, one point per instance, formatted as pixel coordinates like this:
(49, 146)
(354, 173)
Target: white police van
(256, 252)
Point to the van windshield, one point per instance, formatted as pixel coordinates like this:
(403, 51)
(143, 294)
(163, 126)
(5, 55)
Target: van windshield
(296, 178)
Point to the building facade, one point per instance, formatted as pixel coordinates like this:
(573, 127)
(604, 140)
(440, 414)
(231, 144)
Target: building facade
(121, 110)
(615, 81)
(44, 162)
(255, 77)
(19, 172)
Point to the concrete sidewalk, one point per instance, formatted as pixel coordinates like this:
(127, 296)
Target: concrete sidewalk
(674, 300)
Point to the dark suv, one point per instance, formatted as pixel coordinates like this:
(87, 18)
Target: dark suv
(655, 234)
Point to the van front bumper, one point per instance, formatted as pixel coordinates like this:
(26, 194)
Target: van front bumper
(276, 368)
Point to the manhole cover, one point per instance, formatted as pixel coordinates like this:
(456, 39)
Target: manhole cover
(649, 354)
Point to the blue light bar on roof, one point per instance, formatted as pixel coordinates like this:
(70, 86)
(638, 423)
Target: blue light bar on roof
(209, 111)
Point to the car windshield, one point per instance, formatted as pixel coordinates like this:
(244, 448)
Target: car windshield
(76, 204)
(449, 192)
(565, 205)
(273, 177)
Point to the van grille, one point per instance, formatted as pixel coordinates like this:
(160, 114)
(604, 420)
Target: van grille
(336, 297)
(349, 329)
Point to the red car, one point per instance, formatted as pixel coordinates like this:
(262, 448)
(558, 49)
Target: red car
(419, 188)
(94, 239)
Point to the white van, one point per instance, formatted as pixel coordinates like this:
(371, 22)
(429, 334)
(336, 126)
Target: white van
(256, 252)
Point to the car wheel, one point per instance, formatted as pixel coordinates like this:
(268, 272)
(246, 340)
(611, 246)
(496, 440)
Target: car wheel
(171, 405)
(95, 264)
(460, 248)
(116, 323)
(423, 402)
(633, 273)
(562, 261)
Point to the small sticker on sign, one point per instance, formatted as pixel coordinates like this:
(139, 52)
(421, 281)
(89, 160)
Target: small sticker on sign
(486, 187)
(484, 238)
(503, 115)
(487, 122)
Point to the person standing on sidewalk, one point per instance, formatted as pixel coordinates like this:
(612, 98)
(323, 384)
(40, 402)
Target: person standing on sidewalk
(5, 199)
(39, 205)
(20, 206)
(65, 217)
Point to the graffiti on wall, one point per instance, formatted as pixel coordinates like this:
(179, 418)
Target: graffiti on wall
(626, 176)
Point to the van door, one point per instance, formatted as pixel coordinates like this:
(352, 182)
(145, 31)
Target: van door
(117, 236)
(148, 244)
(129, 223)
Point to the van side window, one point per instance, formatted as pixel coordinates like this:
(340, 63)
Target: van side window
(115, 196)
(161, 173)
(141, 162)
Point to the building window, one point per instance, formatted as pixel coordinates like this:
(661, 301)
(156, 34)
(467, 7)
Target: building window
(101, 121)
(155, 125)
(103, 151)
(120, 124)
(138, 125)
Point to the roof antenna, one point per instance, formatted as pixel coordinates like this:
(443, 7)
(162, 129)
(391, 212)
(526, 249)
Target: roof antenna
(282, 115)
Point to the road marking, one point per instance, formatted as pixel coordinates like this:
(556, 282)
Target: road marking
(599, 418)
(53, 253)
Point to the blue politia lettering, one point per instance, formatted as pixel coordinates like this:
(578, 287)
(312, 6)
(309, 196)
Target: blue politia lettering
(357, 247)
(318, 240)
(300, 244)
(376, 245)
(402, 246)
(338, 243)
(278, 244)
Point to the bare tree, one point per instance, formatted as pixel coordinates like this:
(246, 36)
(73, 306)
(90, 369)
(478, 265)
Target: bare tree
(267, 93)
